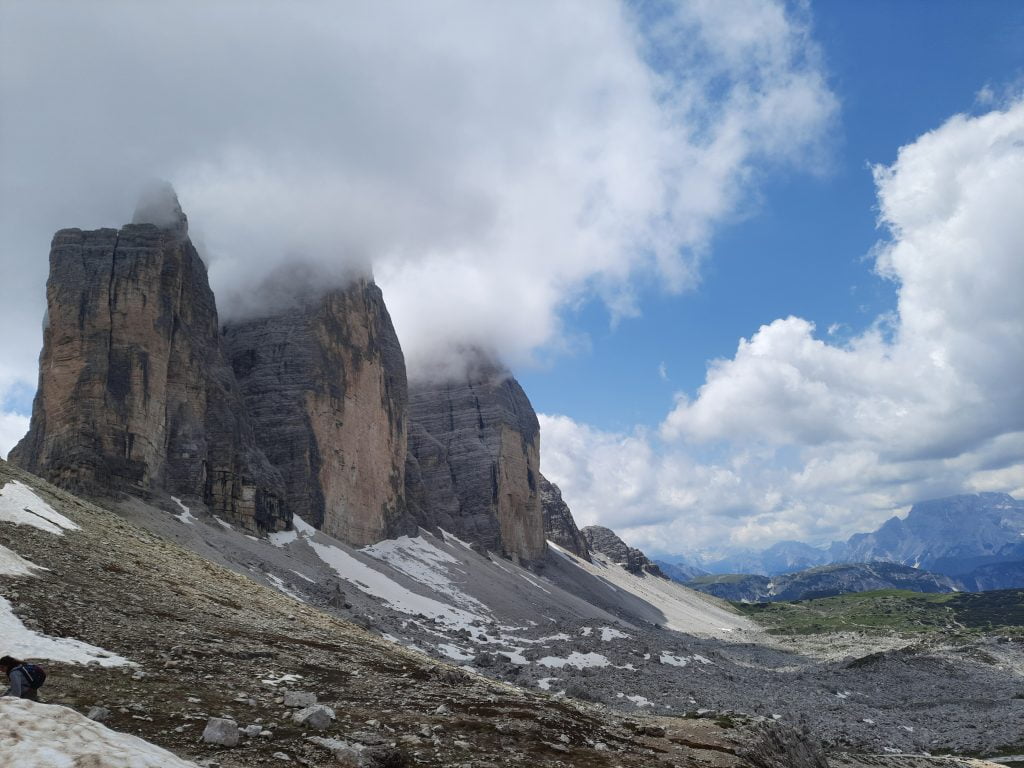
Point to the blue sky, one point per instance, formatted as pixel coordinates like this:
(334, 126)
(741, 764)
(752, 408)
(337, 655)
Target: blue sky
(899, 69)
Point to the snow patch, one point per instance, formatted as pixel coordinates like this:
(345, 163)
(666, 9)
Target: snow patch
(58, 737)
(545, 683)
(278, 583)
(610, 633)
(576, 659)
(282, 538)
(421, 561)
(399, 598)
(13, 564)
(640, 701)
(22, 642)
(224, 523)
(186, 515)
(19, 505)
(454, 652)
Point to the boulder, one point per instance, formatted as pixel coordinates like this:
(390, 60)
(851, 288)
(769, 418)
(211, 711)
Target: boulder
(317, 717)
(221, 731)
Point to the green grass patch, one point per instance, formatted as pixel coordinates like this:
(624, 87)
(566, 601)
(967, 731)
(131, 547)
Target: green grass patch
(894, 610)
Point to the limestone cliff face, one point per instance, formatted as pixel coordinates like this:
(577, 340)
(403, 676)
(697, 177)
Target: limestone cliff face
(605, 541)
(474, 457)
(325, 386)
(559, 525)
(134, 390)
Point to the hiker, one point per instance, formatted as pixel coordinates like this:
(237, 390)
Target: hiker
(25, 679)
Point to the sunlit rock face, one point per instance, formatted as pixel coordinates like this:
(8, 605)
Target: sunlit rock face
(325, 386)
(135, 392)
(474, 462)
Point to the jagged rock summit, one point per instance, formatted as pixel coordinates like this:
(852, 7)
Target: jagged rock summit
(605, 541)
(135, 392)
(325, 387)
(559, 525)
(474, 461)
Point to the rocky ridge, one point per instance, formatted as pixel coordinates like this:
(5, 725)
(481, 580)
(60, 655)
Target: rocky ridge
(559, 525)
(605, 541)
(823, 581)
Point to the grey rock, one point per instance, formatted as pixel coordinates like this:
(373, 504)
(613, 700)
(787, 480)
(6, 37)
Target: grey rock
(221, 731)
(317, 716)
(604, 540)
(252, 731)
(135, 393)
(559, 525)
(99, 714)
(325, 386)
(299, 699)
(473, 465)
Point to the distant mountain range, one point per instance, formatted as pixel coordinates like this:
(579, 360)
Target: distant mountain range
(976, 540)
(822, 581)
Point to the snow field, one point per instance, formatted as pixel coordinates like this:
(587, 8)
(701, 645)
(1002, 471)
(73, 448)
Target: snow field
(41, 735)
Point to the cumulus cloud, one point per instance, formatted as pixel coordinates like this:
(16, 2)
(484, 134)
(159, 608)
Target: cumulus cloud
(493, 162)
(796, 435)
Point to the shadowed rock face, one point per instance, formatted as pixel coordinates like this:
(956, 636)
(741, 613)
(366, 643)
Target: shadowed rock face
(134, 390)
(604, 540)
(559, 525)
(474, 458)
(325, 388)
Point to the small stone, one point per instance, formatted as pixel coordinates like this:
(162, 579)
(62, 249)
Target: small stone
(317, 716)
(281, 756)
(299, 699)
(252, 731)
(442, 709)
(221, 731)
(99, 714)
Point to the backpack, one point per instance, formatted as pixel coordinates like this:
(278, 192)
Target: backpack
(36, 675)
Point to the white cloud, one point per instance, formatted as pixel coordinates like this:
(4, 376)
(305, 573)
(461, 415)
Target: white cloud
(12, 427)
(798, 436)
(495, 161)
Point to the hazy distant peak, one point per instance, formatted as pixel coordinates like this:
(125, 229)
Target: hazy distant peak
(158, 204)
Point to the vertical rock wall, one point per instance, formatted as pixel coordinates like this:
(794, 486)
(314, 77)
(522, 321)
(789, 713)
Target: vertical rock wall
(474, 458)
(325, 387)
(134, 390)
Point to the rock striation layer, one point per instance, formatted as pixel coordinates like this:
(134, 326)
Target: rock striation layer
(135, 392)
(325, 387)
(474, 462)
(559, 525)
(604, 540)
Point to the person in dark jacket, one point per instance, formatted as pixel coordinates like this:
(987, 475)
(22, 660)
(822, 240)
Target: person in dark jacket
(20, 681)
